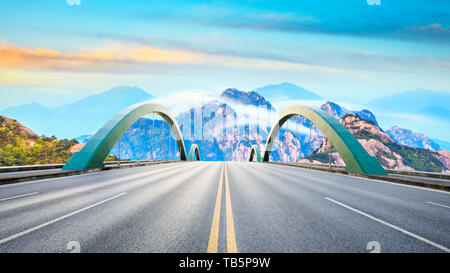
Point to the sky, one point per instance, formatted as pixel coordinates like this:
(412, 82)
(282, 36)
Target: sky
(57, 51)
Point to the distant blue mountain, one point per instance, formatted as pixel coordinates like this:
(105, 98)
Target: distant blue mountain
(412, 101)
(78, 118)
(34, 115)
(286, 91)
(436, 112)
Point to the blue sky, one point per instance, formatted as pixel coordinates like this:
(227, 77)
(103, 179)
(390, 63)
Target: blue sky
(52, 52)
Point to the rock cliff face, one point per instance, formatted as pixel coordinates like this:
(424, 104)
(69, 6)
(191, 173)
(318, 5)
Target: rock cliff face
(371, 138)
(359, 126)
(444, 157)
(76, 148)
(389, 153)
(388, 158)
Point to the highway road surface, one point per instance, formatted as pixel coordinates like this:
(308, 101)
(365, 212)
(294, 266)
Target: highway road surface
(221, 207)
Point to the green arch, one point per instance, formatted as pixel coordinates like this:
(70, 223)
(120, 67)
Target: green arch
(356, 158)
(98, 147)
(255, 152)
(194, 153)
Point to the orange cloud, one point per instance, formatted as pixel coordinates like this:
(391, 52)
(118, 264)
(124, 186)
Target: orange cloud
(125, 58)
(11, 57)
(23, 58)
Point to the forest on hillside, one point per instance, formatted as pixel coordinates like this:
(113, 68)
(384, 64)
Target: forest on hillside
(17, 147)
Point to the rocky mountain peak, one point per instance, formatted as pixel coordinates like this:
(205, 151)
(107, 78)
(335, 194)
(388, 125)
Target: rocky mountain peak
(408, 137)
(248, 98)
(333, 109)
(356, 125)
(338, 112)
(361, 129)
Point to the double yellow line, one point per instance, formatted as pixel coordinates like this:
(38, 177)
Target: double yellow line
(213, 243)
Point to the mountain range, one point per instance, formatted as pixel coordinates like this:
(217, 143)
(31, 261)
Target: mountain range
(415, 101)
(85, 116)
(80, 117)
(436, 111)
(222, 136)
(225, 128)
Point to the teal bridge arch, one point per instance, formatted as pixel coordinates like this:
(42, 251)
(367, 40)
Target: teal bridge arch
(98, 147)
(194, 153)
(255, 154)
(356, 158)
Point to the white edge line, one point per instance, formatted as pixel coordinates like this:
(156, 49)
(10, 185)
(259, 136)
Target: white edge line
(440, 205)
(443, 248)
(57, 219)
(18, 196)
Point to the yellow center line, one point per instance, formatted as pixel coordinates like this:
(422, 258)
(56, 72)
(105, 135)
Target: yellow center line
(231, 235)
(213, 243)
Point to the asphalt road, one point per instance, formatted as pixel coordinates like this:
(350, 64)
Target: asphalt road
(221, 207)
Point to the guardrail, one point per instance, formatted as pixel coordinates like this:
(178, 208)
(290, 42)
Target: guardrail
(28, 173)
(419, 173)
(29, 168)
(59, 166)
(390, 171)
(438, 181)
(15, 174)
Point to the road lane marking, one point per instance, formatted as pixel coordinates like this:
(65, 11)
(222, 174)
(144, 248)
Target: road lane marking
(443, 248)
(12, 237)
(440, 205)
(231, 235)
(360, 177)
(18, 196)
(213, 243)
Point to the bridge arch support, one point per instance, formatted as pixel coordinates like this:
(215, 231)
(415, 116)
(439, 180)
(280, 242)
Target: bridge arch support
(98, 147)
(194, 153)
(356, 158)
(255, 154)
